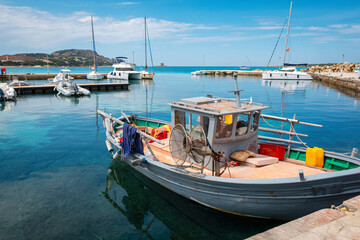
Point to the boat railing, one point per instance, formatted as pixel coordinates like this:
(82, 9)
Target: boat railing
(291, 132)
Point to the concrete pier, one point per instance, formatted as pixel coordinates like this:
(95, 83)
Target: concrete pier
(41, 76)
(49, 88)
(337, 79)
(342, 222)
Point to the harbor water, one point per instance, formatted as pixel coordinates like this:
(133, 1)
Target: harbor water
(54, 178)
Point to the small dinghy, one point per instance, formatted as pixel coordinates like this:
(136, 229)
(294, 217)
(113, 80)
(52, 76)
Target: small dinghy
(63, 75)
(69, 88)
(6, 92)
(211, 152)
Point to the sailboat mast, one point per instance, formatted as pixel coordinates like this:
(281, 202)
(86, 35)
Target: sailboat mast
(93, 41)
(145, 47)
(287, 34)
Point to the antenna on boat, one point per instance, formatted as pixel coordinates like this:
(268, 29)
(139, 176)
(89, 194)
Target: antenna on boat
(237, 91)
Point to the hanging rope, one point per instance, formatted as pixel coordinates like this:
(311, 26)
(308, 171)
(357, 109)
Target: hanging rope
(282, 125)
(276, 43)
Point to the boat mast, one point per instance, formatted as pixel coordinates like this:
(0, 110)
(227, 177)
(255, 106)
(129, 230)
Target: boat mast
(287, 34)
(145, 47)
(93, 41)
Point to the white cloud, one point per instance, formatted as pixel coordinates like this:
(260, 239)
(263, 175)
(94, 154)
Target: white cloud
(128, 3)
(30, 28)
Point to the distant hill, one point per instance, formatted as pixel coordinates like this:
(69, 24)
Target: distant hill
(68, 57)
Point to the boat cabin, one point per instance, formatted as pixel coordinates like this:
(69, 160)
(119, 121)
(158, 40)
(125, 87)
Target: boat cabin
(227, 126)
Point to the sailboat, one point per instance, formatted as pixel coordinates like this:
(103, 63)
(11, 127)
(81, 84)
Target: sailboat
(288, 71)
(200, 72)
(145, 74)
(94, 75)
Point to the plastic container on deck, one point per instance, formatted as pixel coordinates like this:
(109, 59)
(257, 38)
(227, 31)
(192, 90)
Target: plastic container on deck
(315, 157)
(272, 150)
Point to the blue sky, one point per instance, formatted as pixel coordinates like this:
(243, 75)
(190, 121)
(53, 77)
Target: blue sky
(228, 33)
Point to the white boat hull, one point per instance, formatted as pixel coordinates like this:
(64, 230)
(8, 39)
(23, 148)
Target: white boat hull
(118, 75)
(71, 89)
(271, 75)
(94, 76)
(7, 93)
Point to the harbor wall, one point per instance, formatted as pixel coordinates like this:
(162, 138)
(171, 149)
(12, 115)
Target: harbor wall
(341, 222)
(255, 73)
(346, 81)
(41, 76)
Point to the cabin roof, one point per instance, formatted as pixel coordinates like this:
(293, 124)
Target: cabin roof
(216, 106)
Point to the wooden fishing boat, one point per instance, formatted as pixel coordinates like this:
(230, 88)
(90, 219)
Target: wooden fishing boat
(202, 159)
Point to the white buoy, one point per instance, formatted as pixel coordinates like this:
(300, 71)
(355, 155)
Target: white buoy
(108, 126)
(116, 155)
(109, 146)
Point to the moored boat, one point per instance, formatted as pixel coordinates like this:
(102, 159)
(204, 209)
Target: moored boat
(145, 74)
(6, 92)
(69, 88)
(207, 158)
(94, 75)
(288, 71)
(63, 75)
(123, 70)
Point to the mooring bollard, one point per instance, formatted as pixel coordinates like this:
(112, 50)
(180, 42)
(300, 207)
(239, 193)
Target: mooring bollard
(329, 71)
(341, 73)
(354, 152)
(358, 74)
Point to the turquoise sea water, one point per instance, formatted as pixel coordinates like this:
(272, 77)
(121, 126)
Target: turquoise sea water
(54, 162)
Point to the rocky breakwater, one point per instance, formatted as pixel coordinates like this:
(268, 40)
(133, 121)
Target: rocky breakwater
(255, 73)
(340, 76)
(345, 67)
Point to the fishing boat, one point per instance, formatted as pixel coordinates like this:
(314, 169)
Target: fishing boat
(288, 71)
(94, 75)
(211, 152)
(69, 88)
(63, 75)
(6, 92)
(123, 70)
(145, 74)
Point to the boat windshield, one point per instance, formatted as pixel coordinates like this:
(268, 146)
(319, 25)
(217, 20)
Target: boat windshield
(124, 69)
(224, 126)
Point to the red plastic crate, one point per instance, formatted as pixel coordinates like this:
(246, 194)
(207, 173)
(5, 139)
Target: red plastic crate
(272, 150)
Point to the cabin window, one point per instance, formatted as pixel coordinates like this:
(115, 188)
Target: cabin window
(242, 124)
(180, 118)
(285, 74)
(270, 74)
(255, 121)
(297, 76)
(224, 126)
(203, 121)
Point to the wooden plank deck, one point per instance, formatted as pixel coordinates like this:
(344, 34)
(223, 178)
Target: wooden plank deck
(280, 169)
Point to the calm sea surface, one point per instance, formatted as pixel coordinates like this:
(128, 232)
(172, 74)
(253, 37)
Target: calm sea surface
(54, 162)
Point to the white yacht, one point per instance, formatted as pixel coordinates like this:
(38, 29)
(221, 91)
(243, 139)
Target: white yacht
(94, 75)
(288, 72)
(123, 70)
(63, 75)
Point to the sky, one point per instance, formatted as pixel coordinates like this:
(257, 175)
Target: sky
(185, 33)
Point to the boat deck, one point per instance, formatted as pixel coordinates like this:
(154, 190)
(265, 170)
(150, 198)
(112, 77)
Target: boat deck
(280, 169)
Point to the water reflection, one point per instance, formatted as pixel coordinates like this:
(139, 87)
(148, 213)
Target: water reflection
(287, 85)
(7, 105)
(145, 203)
(73, 100)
